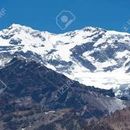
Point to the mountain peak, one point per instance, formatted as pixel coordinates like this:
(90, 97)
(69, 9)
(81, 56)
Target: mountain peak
(14, 25)
(93, 28)
(92, 56)
(17, 27)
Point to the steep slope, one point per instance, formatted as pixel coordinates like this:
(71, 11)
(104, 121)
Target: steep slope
(92, 56)
(120, 120)
(37, 97)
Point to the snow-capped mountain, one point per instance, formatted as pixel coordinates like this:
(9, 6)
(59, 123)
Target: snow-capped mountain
(92, 56)
(39, 97)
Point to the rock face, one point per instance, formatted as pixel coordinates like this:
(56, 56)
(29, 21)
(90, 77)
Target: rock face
(92, 56)
(120, 120)
(38, 98)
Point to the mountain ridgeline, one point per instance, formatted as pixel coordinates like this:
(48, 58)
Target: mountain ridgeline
(37, 98)
(79, 80)
(91, 56)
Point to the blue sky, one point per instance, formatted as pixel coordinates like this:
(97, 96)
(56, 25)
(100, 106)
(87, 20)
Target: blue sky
(41, 14)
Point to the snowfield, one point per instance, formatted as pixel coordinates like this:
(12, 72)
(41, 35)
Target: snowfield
(92, 56)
